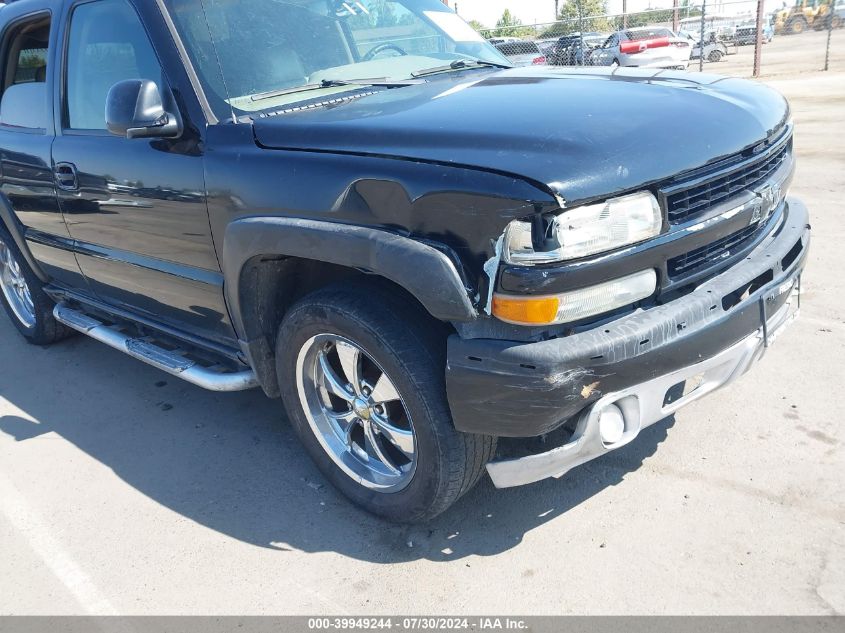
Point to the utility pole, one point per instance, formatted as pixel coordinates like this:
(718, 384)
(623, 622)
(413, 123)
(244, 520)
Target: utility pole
(701, 36)
(624, 14)
(580, 33)
(676, 18)
(829, 19)
(758, 40)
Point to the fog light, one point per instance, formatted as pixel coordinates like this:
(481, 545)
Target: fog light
(611, 424)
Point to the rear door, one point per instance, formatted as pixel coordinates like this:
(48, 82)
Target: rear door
(135, 208)
(27, 189)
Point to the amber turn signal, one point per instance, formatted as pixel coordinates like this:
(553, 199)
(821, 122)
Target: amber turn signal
(526, 310)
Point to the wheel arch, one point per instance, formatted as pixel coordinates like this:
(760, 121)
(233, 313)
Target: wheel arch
(10, 222)
(269, 263)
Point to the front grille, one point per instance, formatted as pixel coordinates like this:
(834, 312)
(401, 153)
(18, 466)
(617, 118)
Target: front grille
(689, 263)
(687, 203)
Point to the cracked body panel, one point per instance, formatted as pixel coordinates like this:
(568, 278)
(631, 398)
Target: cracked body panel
(515, 389)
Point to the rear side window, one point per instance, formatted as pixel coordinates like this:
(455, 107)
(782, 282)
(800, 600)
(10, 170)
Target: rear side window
(107, 44)
(648, 34)
(32, 65)
(23, 103)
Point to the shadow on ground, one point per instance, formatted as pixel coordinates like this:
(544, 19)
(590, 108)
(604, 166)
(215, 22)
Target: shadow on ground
(231, 463)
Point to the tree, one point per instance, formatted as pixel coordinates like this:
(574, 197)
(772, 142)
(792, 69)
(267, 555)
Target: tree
(577, 13)
(478, 26)
(510, 26)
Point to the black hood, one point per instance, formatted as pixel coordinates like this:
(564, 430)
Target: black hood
(580, 134)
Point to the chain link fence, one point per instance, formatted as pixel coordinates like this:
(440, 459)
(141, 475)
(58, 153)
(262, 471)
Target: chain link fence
(805, 37)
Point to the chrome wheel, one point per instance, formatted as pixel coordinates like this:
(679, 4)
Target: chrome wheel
(14, 287)
(356, 413)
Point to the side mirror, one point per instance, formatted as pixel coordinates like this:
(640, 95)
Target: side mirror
(134, 109)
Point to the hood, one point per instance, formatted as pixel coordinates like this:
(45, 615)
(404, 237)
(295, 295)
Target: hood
(577, 134)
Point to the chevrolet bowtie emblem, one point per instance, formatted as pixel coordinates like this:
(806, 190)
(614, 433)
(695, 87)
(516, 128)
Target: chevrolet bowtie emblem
(768, 199)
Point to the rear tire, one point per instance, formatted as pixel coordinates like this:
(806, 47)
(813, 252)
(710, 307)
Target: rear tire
(364, 332)
(23, 297)
(715, 56)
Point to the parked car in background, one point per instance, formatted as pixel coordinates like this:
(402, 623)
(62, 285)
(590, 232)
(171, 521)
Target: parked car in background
(522, 53)
(646, 47)
(714, 50)
(575, 49)
(746, 34)
(504, 40)
(721, 26)
(547, 47)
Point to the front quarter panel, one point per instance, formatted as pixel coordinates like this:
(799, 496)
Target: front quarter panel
(458, 211)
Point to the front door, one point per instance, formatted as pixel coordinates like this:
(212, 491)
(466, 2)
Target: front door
(135, 208)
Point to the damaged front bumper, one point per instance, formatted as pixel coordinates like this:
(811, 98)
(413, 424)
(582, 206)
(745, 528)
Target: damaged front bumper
(650, 363)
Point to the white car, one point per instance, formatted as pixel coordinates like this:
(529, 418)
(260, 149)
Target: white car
(646, 47)
(714, 50)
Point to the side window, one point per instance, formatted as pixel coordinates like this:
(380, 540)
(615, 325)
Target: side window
(107, 44)
(23, 103)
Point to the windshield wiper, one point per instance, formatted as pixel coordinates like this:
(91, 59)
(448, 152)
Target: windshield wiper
(458, 64)
(332, 83)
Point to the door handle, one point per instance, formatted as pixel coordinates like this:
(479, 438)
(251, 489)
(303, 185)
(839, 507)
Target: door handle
(66, 176)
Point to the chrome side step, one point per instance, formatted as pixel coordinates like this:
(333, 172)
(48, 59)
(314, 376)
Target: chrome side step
(175, 363)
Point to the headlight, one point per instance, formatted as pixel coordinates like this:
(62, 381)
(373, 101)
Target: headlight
(576, 304)
(584, 231)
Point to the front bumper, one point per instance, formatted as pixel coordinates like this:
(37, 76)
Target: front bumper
(511, 389)
(647, 403)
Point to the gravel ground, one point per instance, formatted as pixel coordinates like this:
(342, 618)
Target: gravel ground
(784, 55)
(125, 491)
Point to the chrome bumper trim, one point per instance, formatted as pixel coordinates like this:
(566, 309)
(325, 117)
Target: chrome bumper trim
(643, 404)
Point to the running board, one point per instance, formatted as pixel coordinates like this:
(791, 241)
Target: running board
(213, 378)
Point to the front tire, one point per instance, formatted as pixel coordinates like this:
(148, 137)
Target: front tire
(23, 297)
(715, 56)
(796, 27)
(362, 376)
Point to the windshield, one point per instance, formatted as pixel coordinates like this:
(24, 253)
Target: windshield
(252, 55)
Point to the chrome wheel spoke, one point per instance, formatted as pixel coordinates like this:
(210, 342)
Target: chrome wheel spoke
(384, 391)
(332, 382)
(346, 422)
(402, 439)
(354, 410)
(374, 448)
(350, 360)
(14, 287)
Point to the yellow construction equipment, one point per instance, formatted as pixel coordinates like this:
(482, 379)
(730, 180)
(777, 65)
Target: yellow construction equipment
(802, 16)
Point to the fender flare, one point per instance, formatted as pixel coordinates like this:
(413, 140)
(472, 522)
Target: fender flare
(10, 221)
(427, 273)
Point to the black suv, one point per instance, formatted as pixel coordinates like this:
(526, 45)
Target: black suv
(442, 265)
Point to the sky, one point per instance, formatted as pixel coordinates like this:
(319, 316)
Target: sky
(541, 11)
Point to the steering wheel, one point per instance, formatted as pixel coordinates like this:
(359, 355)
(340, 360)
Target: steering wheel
(381, 48)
